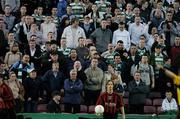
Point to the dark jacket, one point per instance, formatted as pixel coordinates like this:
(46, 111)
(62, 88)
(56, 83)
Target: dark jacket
(73, 91)
(53, 83)
(33, 88)
(137, 93)
(53, 107)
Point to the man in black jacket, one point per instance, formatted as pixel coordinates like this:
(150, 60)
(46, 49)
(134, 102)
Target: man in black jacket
(53, 105)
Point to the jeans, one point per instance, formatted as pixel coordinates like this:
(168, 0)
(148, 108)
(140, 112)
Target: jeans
(31, 106)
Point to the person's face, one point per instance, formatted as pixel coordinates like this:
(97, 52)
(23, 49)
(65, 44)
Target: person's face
(158, 50)
(53, 47)
(169, 16)
(55, 67)
(146, 5)
(109, 86)
(129, 7)
(177, 41)
(153, 30)
(54, 57)
(54, 11)
(121, 27)
(117, 59)
(40, 10)
(120, 46)
(48, 19)
(81, 42)
(28, 19)
(13, 76)
(23, 9)
(94, 63)
(92, 49)
(32, 44)
(137, 20)
(144, 59)
(94, 8)
(50, 36)
(104, 24)
(168, 95)
(117, 11)
(69, 10)
(160, 40)
(159, 5)
(63, 42)
(33, 27)
(133, 49)
(11, 36)
(137, 76)
(7, 9)
(57, 97)
(2, 24)
(73, 53)
(73, 75)
(26, 59)
(33, 74)
(176, 5)
(142, 42)
(155, 36)
(110, 47)
(77, 64)
(15, 48)
(110, 68)
(136, 11)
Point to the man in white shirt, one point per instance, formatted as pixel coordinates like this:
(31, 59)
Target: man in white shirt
(137, 29)
(72, 33)
(122, 34)
(169, 103)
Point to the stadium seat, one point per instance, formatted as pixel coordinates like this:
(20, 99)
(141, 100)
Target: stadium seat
(42, 108)
(148, 102)
(157, 102)
(149, 109)
(91, 109)
(153, 95)
(83, 109)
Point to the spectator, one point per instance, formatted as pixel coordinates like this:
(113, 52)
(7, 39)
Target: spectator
(53, 105)
(110, 100)
(61, 7)
(13, 55)
(146, 70)
(93, 84)
(14, 4)
(122, 34)
(73, 88)
(169, 104)
(47, 27)
(17, 90)
(9, 19)
(33, 91)
(21, 67)
(102, 37)
(53, 79)
(69, 13)
(63, 47)
(72, 33)
(138, 91)
(38, 15)
(6, 101)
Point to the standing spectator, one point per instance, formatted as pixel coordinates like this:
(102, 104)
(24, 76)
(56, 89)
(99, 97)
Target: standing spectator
(169, 104)
(93, 84)
(33, 91)
(136, 29)
(102, 36)
(72, 33)
(111, 102)
(53, 79)
(17, 90)
(69, 13)
(138, 91)
(63, 48)
(14, 4)
(53, 105)
(82, 50)
(146, 70)
(73, 88)
(47, 27)
(6, 101)
(38, 16)
(61, 7)
(13, 55)
(122, 34)
(9, 19)
(78, 9)
(21, 67)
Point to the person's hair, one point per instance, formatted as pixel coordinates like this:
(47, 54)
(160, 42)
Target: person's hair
(12, 72)
(137, 72)
(121, 23)
(73, 70)
(117, 54)
(120, 41)
(80, 38)
(73, 20)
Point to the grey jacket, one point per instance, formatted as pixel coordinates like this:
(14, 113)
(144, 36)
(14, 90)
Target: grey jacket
(101, 38)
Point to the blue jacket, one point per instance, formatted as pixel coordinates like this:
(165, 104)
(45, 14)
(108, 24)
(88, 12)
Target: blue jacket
(73, 91)
(62, 4)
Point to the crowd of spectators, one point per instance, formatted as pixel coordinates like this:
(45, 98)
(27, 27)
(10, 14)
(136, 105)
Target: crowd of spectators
(76, 46)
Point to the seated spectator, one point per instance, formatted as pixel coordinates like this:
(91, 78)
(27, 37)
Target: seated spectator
(169, 104)
(72, 88)
(53, 105)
